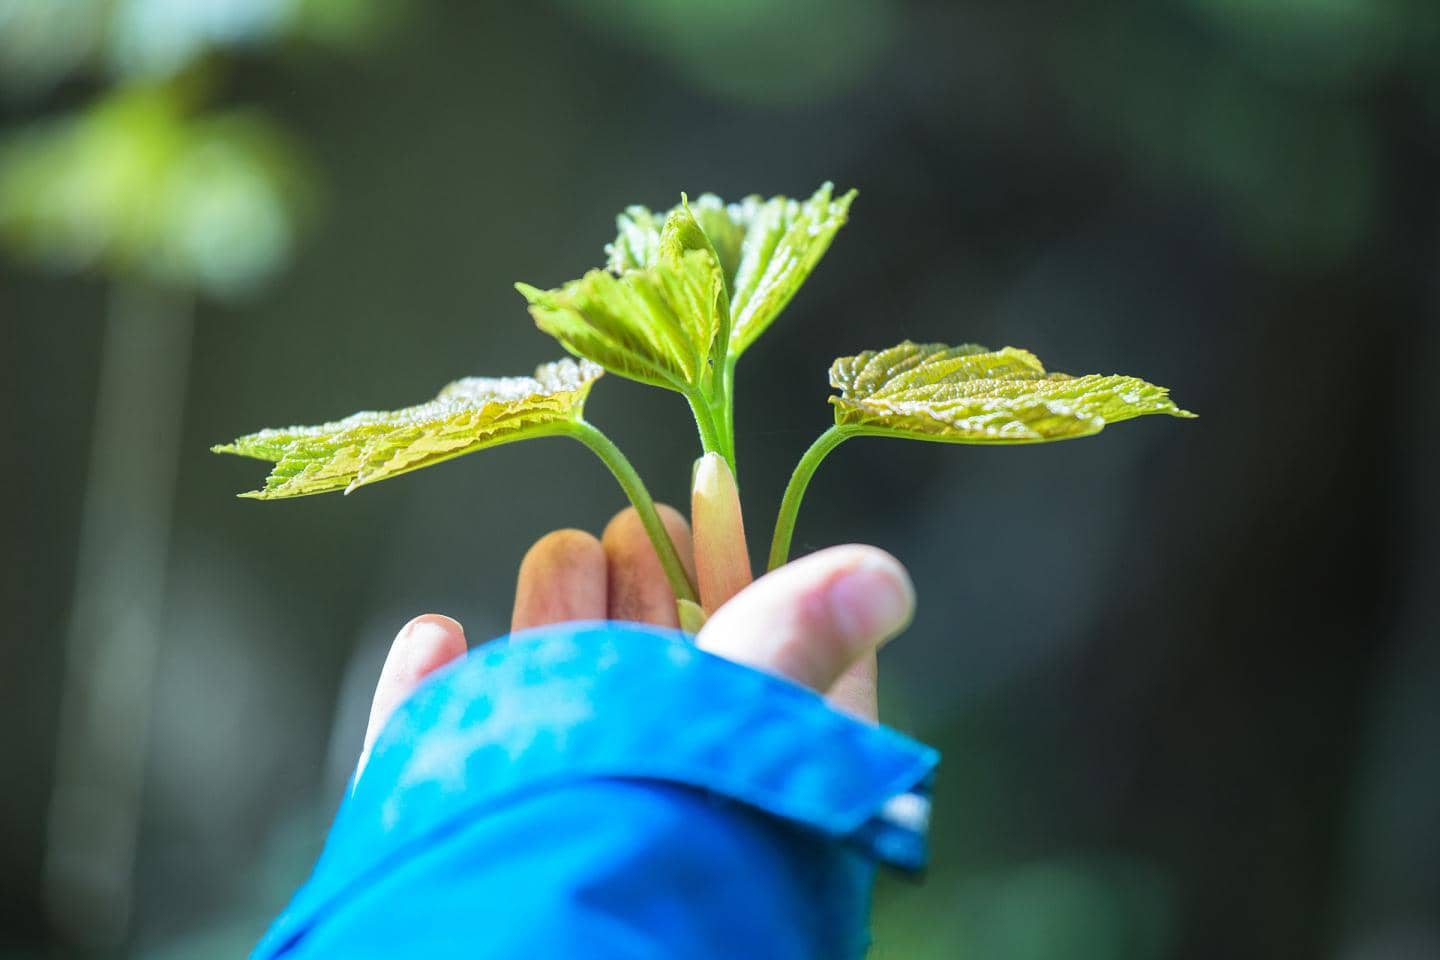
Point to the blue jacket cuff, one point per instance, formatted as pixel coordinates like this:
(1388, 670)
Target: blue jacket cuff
(554, 708)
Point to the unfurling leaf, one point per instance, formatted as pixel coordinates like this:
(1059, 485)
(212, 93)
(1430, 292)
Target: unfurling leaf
(692, 616)
(967, 394)
(722, 561)
(766, 249)
(468, 415)
(658, 325)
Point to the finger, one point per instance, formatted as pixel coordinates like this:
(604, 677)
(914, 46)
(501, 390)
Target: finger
(638, 589)
(722, 561)
(561, 578)
(811, 619)
(425, 645)
(855, 692)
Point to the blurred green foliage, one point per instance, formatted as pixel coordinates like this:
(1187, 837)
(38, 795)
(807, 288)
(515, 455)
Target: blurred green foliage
(1193, 186)
(1079, 908)
(146, 182)
(139, 185)
(44, 41)
(755, 51)
(1264, 108)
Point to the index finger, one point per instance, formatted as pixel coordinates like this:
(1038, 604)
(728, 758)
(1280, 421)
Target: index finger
(638, 589)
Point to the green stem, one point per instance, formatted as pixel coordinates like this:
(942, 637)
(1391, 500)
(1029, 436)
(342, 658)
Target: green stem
(723, 436)
(712, 440)
(795, 491)
(727, 409)
(634, 488)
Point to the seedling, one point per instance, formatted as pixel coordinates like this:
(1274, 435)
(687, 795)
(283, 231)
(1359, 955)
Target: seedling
(685, 293)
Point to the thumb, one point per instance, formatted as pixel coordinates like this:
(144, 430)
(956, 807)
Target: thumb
(810, 620)
(425, 645)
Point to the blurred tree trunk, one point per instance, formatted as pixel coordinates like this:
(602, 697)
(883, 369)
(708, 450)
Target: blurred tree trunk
(115, 617)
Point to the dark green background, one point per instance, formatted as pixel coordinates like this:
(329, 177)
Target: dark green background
(1185, 674)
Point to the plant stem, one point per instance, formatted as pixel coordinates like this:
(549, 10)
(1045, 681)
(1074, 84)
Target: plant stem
(712, 439)
(725, 440)
(795, 491)
(727, 410)
(640, 499)
(703, 422)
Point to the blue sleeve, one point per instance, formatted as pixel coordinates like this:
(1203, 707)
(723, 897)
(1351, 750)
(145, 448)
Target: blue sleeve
(609, 790)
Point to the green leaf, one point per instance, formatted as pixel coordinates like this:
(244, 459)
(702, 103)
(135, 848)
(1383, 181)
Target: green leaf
(692, 615)
(765, 248)
(637, 240)
(658, 324)
(967, 394)
(468, 415)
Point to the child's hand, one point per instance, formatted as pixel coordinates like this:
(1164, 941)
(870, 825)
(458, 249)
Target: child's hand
(817, 621)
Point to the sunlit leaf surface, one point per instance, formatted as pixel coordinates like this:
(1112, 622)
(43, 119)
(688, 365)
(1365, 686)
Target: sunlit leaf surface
(466, 416)
(766, 249)
(967, 394)
(657, 325)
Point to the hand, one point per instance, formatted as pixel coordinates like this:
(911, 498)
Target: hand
(817, 621)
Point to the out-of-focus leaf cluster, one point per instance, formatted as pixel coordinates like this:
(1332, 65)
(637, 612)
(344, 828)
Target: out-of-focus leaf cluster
(142, 182)
(138, 185)
(1263, 109)
(44, 41)
(755, 51)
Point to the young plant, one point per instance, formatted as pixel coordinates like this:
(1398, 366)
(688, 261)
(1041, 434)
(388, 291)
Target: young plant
(685, 293)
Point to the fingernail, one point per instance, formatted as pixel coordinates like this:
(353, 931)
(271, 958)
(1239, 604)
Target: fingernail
(424, 634)
(432, 626)
(873, 601)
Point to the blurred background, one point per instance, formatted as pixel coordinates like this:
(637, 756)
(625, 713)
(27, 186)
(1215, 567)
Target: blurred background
(1185, 674)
